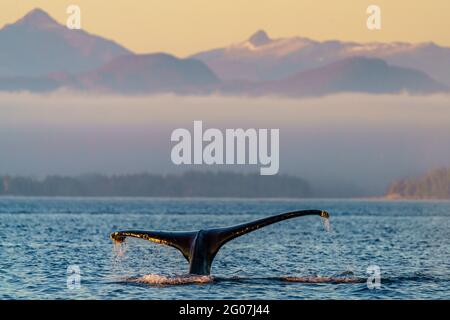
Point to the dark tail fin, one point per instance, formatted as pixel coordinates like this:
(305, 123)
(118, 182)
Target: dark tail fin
(199, 248)
(179, 240)
(223, 235)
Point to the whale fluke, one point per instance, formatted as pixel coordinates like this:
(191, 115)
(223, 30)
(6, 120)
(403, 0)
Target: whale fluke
(200, 247)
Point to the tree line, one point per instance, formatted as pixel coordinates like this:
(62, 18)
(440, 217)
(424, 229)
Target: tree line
(434, 184)
(189, 184)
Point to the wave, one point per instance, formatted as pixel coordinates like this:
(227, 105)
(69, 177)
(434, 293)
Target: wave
(319, 279)
(163, 280)
(157, 279)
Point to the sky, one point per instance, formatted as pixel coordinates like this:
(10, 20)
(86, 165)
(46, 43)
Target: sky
(185, 27)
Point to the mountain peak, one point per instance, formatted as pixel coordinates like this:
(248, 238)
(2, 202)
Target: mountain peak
(48, 47)
(38, 18)
(259, 38)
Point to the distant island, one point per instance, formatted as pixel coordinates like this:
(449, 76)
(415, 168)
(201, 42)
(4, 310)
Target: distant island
(190, 184)
(434, 184)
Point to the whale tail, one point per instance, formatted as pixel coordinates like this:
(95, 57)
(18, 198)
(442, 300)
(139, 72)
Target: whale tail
(200, 247)
(179, 240)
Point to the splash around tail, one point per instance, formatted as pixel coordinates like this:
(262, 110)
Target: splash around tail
(188, 279)
(162, 280)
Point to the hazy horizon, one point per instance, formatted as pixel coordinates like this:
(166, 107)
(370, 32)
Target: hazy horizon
(360, 140)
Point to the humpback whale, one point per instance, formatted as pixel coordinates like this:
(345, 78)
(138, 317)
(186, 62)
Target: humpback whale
(200, 247)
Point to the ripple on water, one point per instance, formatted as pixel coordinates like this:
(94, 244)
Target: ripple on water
(319, 279)
(294, 259)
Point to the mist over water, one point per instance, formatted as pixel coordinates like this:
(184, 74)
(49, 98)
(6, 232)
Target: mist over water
(356, 143)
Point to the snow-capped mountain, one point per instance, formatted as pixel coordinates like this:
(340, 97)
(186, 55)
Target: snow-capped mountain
(262, 58)
(39, 54)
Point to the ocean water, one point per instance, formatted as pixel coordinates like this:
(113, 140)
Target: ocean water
(46, 241)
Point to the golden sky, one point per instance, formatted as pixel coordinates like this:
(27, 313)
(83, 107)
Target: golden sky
(183, 27)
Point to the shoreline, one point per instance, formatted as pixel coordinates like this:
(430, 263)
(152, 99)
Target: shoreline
(196, 198)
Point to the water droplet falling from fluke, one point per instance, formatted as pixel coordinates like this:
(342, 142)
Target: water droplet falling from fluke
(326, 224)
(120, 248)
(120, 245)
(326, 220)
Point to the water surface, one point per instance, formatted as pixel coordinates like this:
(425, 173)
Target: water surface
(294, 259)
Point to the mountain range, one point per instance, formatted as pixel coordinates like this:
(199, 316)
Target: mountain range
(39, 54)
(263, 58)
(148, 73)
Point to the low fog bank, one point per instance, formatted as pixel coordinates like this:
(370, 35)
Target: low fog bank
(343, 144)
